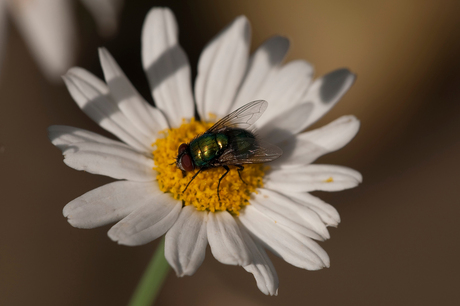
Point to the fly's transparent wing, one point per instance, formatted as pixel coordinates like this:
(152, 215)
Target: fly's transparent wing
(251, 151)
(242, 118)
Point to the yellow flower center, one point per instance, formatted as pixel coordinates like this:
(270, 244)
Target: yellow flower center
(202, 191)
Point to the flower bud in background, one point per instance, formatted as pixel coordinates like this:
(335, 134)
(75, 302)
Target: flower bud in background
(50, 29)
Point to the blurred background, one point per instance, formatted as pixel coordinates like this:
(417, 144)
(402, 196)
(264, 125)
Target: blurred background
(398, 240)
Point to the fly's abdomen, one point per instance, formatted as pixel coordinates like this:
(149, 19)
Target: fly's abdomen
(241, 140)
(207, 147)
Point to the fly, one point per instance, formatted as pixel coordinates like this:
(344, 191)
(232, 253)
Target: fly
(228, 142)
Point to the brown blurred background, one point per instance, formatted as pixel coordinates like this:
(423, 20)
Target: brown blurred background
(398, 241)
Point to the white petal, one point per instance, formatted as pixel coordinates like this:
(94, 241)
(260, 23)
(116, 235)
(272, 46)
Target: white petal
(186, 241)
(147, 119)
(83, 151)
(326, 91)
(148, 222)
(49, 29)
(105, 13)
(326, 212)
(312, 177)
(68, 135)
(167, 66)
(285, 89)
(92, 96)
(305, 148)
(109, 203)
(264, 62)
(225, 239)
(286, 124)
(261, 267)
(289, 213)
(296, 249)
(3, 30)
(221, 68)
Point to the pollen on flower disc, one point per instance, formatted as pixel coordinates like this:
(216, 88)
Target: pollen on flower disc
(202, 191)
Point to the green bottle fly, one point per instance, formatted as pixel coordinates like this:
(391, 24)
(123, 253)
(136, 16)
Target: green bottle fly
(228, 142)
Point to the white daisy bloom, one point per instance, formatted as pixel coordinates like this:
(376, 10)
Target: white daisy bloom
(272, 211)
(49, 28)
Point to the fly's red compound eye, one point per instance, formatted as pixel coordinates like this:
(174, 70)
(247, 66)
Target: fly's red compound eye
(182, 148)
(186, 162)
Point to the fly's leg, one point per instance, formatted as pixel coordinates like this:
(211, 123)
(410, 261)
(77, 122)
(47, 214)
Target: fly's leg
(240, 168)
(192, 180)
(228, 169)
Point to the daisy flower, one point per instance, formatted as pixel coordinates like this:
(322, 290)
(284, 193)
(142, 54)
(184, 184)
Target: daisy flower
(49, 28)
(273, 210)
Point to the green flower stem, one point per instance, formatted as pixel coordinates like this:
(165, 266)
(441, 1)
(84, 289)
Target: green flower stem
(152, 280)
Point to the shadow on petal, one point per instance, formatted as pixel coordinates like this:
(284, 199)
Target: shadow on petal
(162, 68)
(333, 84)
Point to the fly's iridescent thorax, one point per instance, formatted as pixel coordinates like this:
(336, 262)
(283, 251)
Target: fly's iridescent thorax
(207, 147)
